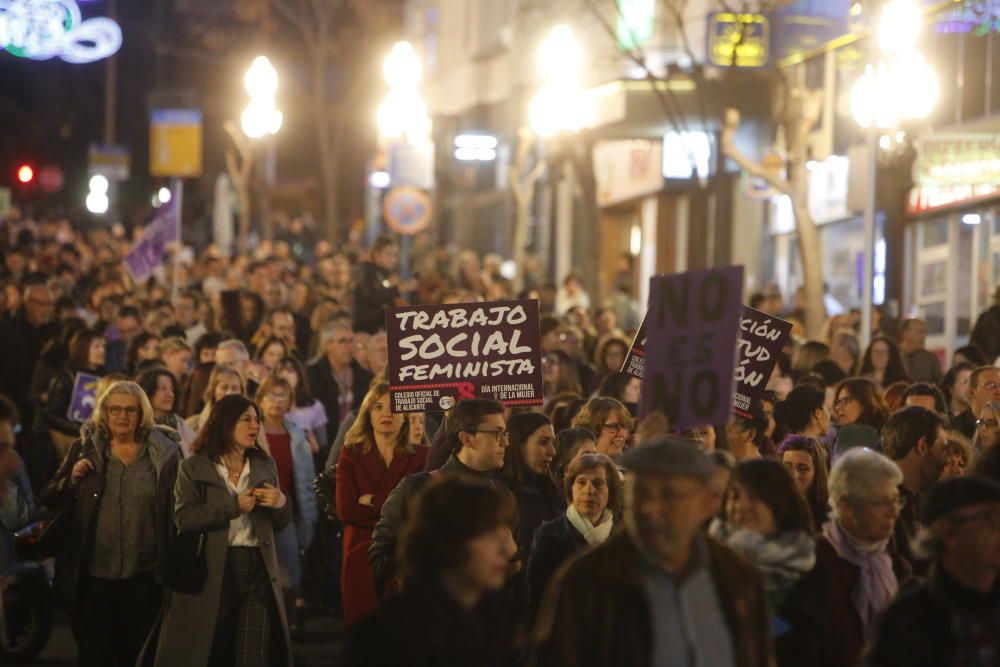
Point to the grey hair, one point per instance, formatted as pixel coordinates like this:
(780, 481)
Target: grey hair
(125, 388)
(235, 346)
(375, 338)
(331, 329)
(857, 472)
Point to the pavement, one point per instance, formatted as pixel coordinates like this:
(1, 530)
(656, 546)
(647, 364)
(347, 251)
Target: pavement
(322, 645)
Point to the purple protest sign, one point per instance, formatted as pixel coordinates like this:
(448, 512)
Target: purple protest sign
(442, 354)
(84, 397)
(148, 252)
(691, 351)
(762, 338)
(635, 360)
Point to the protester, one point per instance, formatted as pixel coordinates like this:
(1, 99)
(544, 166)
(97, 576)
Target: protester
(951, 617)
(592, 493)
(927, 396)
(859, 401)
(478, 435)
(559, 374)
(17, 502)
(117, 484)
(914, 439)
(531, 450)
(287, 446)
(307, 412)
(144, 349)
(832, 609)
(271, 351)
(960, 455)
(806, 460)
(224, 381)
(228, 491)
(176, 355)
(23, 337)
(659, 592)
(920, 365)
(810, 354)
(86, 355)
(955, 386)
(571, 444)
(845, 351)
(610, 354)
(803, 412)
(984, 388)
(882, 363)
(746, 437)
(377, 286)
(336, 379)
(160, 387)
(609, 420)
(376, 455)
(986, 332)
(454, 555)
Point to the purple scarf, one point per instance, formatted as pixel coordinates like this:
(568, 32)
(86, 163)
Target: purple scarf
(877, 584)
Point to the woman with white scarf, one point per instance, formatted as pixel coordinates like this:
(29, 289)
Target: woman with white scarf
(833, 608)
(593, 493)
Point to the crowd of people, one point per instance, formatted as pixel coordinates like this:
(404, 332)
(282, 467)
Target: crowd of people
(215, 457)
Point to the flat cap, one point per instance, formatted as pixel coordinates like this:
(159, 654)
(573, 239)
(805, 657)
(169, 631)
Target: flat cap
(670, 455)
(951, 495)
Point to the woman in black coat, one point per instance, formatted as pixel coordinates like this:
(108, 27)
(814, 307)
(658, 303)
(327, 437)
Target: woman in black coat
(86, 355)
(593, 493)
(455, 556)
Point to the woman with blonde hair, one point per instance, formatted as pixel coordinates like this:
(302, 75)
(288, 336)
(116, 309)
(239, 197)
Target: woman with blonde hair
(117, 481)
(609, 420)
(223, 381)
(376, 455)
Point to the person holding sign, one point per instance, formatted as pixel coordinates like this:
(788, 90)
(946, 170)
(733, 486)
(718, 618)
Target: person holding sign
(86, 355)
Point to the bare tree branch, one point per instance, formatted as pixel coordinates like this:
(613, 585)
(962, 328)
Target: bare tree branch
(727, 141)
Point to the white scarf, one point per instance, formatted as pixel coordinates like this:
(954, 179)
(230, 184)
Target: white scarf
(593, 534)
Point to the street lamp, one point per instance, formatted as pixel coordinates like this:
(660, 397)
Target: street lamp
(261, 117)
(403, 113)
(897, 86)
(560, 104)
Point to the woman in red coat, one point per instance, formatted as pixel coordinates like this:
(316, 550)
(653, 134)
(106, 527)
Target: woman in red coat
(376, 455)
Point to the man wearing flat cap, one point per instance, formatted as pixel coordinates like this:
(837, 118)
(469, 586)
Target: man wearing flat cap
(952, 618)
(660, 593)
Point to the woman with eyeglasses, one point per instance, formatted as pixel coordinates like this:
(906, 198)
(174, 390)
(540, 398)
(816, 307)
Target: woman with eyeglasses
(287, 445)
(228, 490)
(609, 420)
(806, 460)
(117, 483)
(987, 426)
(859, 401)
(526, 472)
(377, 454)
(832, 609)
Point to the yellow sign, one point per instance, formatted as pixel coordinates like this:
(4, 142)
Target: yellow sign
(175, 143)
(738, 40)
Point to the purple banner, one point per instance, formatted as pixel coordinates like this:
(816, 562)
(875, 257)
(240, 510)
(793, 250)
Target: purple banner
(148, 252)
(762, 338)
(635, 360)
(84, 397)
(692, 335)
(442, 354)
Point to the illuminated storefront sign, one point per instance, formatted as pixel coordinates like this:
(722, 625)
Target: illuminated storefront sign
(979, 17)
(44, 29)
(738, 40)
(958, 159)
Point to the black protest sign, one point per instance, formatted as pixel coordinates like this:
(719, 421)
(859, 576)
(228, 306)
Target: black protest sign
(442, 354)
(635, 360)
(691, 346)
(762, 338)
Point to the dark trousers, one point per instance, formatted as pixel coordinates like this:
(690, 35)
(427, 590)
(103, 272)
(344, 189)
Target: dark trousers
(247, 612)
(116, 618)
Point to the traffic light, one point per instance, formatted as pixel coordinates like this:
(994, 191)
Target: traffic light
(25, 174)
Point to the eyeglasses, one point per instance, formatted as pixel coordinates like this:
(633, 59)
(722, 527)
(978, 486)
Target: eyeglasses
(990, 385)
(885, 503)
(992, 423)
(117, 410)
(498, 434)
(277, 398)
(615, 428)
(840, 402)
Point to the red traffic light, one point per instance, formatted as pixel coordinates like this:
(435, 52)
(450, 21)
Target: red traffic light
(25, 174)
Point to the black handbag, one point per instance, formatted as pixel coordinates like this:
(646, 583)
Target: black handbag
(325, 488)
(186, 568)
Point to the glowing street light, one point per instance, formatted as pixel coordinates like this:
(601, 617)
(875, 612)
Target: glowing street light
(560, 104)
(97, 199)
(261, 117)
(403, 112)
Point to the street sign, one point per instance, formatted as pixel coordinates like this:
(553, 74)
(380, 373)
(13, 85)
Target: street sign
(407, 211)
(112, 161)
(175, 143)
(738, 40)
(411, 165)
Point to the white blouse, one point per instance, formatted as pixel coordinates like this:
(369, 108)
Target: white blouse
(241, 532)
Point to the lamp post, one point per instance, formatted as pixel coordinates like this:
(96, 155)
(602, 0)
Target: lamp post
(897, 86)
(403, 123)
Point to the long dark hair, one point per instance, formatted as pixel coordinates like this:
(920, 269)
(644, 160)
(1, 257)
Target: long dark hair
(874, 410)
(79, 348)
(818, 494)
(216, 437)
(149, 378)
(567, 444)
(773, 484)
(793, 414)
(520, 427)
(303, 394)
(448, 513)
(894, 370)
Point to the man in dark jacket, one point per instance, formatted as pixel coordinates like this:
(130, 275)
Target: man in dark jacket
(477, 426)
(984, 388)
(339, 382)
(377, 286)
(952, 617)
(986, 332)
(23, 338)
(660, 592)
(914, 439)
